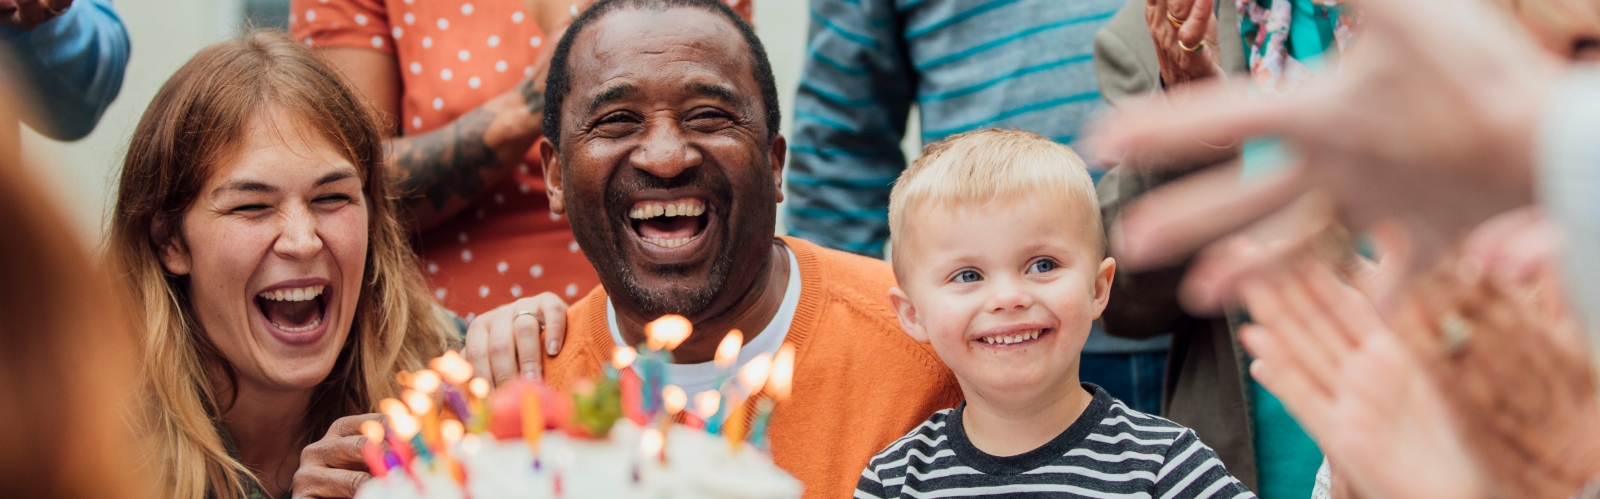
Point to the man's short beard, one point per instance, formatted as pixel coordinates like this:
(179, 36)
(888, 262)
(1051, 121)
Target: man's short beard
(688, 302)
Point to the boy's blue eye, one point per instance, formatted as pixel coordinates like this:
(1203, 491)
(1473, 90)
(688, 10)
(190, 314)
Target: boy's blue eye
(967, 276)
(1043, 266)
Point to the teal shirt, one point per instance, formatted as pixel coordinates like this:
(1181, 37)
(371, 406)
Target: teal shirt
(1286, 457)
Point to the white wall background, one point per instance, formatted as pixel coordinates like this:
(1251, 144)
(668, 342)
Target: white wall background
(165, 33)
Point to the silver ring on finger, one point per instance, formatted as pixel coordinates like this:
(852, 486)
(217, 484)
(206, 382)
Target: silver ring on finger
(530, 313)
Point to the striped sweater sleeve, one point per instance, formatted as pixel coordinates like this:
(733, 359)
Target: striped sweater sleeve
(1191, 470)
(850, 115)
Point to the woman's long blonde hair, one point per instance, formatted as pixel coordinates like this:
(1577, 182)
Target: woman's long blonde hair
(192, 123)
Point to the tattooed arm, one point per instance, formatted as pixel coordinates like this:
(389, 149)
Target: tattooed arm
(441, 172)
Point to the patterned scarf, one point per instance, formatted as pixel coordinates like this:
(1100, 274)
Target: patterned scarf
(1287, 40)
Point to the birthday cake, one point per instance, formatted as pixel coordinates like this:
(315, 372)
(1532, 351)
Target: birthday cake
(628, 434)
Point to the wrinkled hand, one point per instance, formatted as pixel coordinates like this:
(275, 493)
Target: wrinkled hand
(1355, 386)
(1522, 386)
(28, 14)
(1196, 27)
(505, 343)
(332, 467)
(1424, 123)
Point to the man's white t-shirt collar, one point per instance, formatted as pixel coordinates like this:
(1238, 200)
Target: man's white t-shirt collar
(696, 378)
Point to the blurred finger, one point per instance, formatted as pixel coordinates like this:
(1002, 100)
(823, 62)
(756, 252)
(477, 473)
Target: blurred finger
(1298, 229)
(1165, 225)
(1215, 113)
(1303, 398)
(1280, 307)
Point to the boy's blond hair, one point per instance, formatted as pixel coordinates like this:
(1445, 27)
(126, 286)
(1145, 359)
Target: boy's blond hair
(978, 167)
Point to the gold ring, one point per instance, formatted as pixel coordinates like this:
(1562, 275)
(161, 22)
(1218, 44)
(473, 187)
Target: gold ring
(1456, 332)
(1174, 20)
(1195, 48)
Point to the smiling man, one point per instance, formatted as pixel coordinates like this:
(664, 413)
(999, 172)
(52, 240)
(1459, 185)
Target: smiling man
(662, 147)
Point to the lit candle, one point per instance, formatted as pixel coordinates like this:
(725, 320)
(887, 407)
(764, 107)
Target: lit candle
(673, 399)
(782, 379)
(632, 398)
(421, 406)
(402, 425)
(758, 429)
(623, 357)
(667, 332)
(754, 373)
(452, 367)
(728, 351)
(708, 405)
(651, 442)
(425, 381)
(370, 451)
(478, 388)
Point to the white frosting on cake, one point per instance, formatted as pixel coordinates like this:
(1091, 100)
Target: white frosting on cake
(698, 465)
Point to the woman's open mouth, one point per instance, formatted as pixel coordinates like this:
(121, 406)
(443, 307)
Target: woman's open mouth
(297, 314)
(669, 225)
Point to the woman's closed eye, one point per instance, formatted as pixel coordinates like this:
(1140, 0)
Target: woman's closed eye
(333, 200)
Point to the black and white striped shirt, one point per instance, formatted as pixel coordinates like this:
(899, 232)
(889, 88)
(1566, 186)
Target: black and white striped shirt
(1110, 451)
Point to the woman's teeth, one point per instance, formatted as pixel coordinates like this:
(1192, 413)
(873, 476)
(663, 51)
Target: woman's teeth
(1007, 339)
(690, 208)
(292, 294)
(313, 325)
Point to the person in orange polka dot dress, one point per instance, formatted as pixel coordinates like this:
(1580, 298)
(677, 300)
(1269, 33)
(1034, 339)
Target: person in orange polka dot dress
(462, 82)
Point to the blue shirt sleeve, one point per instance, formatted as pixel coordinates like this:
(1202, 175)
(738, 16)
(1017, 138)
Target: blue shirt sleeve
(73, 64)
(850, 114)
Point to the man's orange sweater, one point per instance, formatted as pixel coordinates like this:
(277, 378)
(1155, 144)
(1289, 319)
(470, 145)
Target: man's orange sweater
(859, 382)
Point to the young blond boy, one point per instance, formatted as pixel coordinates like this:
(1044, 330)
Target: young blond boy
(997, 246)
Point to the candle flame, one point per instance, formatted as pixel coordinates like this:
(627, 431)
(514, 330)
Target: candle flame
(425, 381)
(479, 387)
(453, 367)
(673, 399)
(755, 373)
(667, 332)
(782, 380)
(392, 407)
(650, 442)
(623, 358)
(373, 430)
(405, 425)
(420, 403)
(728, 351)
(706, 403)
(451, 430)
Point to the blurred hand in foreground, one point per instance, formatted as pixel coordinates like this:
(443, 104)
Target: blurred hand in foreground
(1430, 123)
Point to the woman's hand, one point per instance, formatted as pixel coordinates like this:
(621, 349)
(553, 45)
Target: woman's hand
(1185, 33)
(332, 467)
(1356, 386)
(505, 342)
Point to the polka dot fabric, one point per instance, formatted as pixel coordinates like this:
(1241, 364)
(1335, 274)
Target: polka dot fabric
(453, 56)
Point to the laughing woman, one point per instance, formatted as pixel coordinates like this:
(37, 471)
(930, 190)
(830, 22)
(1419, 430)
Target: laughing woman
(277, 289)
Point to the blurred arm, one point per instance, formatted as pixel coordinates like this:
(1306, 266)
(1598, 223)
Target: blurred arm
(74, 64)
(850, 114)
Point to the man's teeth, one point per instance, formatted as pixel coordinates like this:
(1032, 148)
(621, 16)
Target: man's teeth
(690, 208)
(292, 294)
(1007, 339)
(668, 243)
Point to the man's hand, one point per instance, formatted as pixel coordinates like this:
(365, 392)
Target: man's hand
(28, 14)
(332, 467)
(505, 342)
